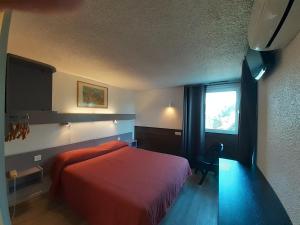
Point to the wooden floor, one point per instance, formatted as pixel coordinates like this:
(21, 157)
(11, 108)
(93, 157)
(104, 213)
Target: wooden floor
(195, 205)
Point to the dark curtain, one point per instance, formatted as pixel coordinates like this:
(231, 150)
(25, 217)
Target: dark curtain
(193, 122)
(247, 139)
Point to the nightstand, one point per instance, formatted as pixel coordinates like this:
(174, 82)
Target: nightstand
(27, 184)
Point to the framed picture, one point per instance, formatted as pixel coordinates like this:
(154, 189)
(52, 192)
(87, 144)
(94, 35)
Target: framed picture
(91, 96)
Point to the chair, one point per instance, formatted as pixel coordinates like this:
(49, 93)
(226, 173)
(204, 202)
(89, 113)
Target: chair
(209, 161)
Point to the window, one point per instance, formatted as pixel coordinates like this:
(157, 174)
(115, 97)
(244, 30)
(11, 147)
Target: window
(221, 109)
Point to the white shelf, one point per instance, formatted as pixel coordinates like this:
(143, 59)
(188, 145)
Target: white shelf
(31, 191)
(30, 171)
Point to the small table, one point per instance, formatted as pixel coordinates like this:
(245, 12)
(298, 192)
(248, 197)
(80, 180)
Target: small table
(26, 185)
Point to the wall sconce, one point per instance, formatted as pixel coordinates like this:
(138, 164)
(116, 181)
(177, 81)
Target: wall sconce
(171, 104)
(170, 110)
(67, 124)
(115, 121)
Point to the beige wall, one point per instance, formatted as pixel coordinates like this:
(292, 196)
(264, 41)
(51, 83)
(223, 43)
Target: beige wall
(65, 100)
(65, 96)
(152, 108)
(279, 129)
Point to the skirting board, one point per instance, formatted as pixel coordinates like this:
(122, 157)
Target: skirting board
(26, 160)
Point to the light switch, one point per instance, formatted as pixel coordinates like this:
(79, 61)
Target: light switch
(37, 158)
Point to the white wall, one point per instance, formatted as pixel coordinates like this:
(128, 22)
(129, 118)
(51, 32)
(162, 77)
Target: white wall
(152, 108)
(65, 96)
(65, 100)
(279, 129)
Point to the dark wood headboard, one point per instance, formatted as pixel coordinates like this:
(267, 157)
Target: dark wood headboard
(159, 139)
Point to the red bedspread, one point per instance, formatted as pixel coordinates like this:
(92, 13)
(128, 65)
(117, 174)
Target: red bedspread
(128, 186)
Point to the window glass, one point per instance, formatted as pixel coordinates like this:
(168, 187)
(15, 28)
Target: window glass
(221, 111)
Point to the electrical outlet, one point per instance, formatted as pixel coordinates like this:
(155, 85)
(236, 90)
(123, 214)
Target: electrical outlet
(178, 133)
(37, 158)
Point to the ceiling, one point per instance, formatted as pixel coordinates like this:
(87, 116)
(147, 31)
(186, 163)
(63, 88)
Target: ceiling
(138, 44)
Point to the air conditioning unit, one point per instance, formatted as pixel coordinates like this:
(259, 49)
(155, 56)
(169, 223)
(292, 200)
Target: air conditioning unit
(273, 24)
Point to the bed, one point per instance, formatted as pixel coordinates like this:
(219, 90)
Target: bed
(114, 184)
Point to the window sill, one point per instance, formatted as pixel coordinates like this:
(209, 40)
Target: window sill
(220, 132)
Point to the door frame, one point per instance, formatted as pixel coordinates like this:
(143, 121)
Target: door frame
(4, 26)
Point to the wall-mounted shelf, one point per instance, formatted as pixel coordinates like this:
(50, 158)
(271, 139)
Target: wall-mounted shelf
(50, 117)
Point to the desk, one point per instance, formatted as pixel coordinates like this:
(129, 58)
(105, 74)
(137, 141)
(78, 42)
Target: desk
(246, 198)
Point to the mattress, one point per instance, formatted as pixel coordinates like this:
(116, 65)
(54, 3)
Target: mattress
(121, 185)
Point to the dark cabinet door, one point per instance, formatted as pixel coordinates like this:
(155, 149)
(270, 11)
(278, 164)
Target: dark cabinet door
(28, 85)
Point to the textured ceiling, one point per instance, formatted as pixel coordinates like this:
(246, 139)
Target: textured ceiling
(139, 44)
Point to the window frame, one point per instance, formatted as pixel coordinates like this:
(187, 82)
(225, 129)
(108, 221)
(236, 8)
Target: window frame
(223, 88)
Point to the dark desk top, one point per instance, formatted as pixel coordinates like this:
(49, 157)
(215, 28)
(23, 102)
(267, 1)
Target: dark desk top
(246, 198)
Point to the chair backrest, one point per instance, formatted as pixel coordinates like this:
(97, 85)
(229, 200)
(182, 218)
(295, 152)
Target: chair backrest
(213, 153)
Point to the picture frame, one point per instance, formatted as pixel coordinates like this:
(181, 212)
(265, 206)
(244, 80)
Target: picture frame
(91, 95)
